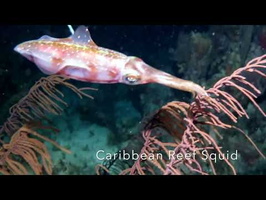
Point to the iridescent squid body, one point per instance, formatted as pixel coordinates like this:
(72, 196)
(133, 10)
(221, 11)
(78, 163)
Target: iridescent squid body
(78, 57)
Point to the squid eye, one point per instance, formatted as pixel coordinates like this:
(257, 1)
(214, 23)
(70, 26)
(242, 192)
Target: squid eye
(131, 79)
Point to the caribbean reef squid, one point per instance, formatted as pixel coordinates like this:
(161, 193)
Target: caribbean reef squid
(79, 58)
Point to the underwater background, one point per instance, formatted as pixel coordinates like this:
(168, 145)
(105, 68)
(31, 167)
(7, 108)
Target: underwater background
(116, 115)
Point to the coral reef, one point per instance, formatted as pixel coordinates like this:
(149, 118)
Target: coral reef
(139, 118)
(23, 146)
(27, 115)
(190, 125)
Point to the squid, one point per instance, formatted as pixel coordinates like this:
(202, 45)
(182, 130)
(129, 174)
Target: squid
(79, 58)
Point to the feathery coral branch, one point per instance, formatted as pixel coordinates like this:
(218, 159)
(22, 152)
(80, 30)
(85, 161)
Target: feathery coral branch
(31, 150)
(190, 124)
(43, 98)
